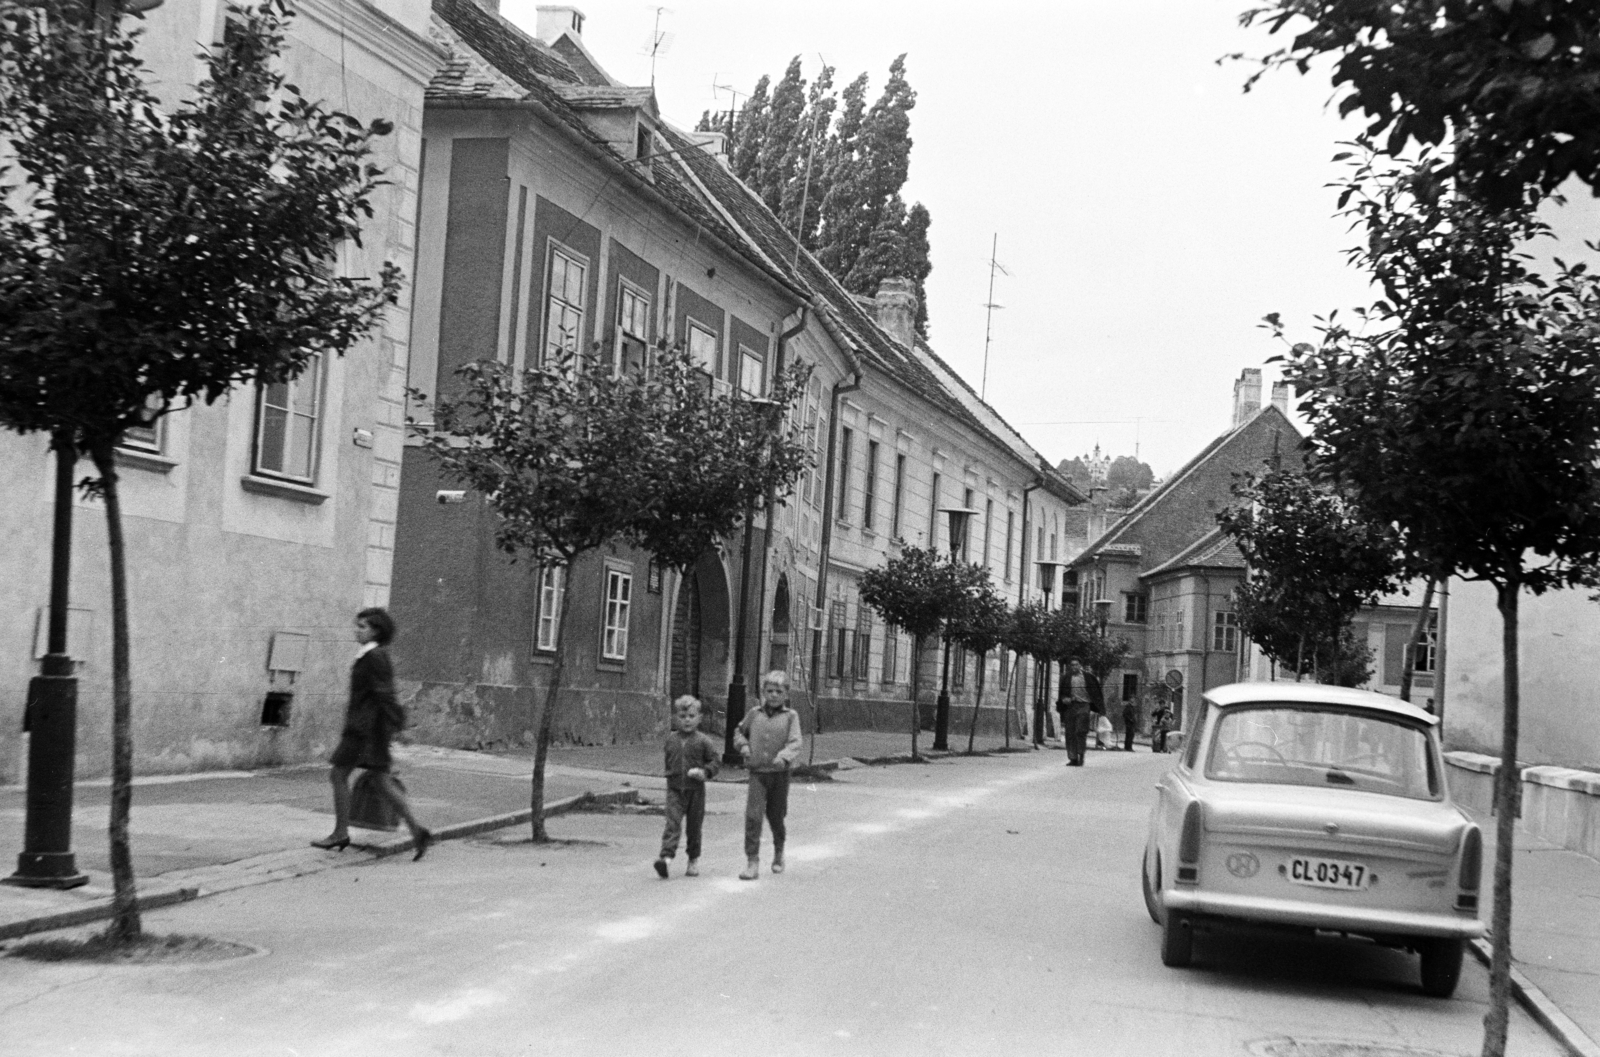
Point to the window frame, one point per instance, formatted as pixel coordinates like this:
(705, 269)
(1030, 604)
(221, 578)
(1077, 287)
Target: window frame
(748, 356)
(550, 599)
(891, 655)
(1135, 607)
(553, 250)
(317, 367)
(692, 328)
(899, 494)
(616, 601)
(1224, 631)
(870, 485)
(841, 508)
(629, 291)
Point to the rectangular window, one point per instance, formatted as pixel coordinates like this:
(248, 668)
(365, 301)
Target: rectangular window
(1225, 632)
(564, 296)
(1161, 632)
(633, 328)
(870, 499)
(933, 516)
(988, 524)
(842, 509)
(552, 594)
(839, 639)
(1069, 589)
(752, 372)
(703, 348)
(861, 662)
(1135, 608)
(968, 528)
(1039, 550)
(619, 599)
(1180, 642)
(286, 425)
(958, 667)
(1011, 527)
(809, 490)
(899, 494)
(1005, 668)
(891, 653)
(1427, 648)
(1130, 686)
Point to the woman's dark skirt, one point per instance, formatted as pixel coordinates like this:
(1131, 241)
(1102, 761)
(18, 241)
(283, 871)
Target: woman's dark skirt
(356, 751)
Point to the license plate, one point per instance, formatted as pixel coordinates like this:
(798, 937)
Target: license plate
(1328, 873)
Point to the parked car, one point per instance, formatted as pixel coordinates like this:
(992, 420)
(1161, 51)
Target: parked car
(1306, 807)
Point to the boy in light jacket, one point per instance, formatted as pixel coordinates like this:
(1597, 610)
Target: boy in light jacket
(769, 741)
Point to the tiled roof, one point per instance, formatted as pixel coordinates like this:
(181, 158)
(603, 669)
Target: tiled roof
(1214, 550)
(508, 49)
(606, 97)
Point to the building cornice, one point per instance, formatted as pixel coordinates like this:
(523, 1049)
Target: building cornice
(362, 24)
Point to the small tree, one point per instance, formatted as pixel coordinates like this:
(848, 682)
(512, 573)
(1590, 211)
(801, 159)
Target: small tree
(1315, 562)
(917, 591)
(1465, 414)
(571, 456)
(164, 257)
(1098, 656)
(980, 629)
(1026, 636)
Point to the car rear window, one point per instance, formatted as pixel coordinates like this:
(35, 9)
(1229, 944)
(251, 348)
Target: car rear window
(1323, 746)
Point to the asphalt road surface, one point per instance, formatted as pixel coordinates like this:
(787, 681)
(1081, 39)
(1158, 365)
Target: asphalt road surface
(965, 907)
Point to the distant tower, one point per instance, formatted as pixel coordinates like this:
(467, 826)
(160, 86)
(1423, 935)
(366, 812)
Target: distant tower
(1099, 467)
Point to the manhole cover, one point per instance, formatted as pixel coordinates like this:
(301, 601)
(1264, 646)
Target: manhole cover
(1282, 1047)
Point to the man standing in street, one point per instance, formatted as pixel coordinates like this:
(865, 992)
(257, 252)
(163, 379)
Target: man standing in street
(1130, 723)
(769, 741)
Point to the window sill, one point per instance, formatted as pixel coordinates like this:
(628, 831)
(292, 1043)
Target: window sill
(144, 460)
(297, 493)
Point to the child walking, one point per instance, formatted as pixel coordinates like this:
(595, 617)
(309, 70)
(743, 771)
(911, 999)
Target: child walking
(769, 739)
(691, 758)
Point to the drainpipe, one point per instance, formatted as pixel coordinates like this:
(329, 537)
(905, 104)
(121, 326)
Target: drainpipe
(737, 689)
(839, 389)
(1022, 596)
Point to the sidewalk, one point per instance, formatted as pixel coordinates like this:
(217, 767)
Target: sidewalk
(1555, 931)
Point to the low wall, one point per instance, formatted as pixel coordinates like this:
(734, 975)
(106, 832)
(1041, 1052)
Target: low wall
(1559, 804)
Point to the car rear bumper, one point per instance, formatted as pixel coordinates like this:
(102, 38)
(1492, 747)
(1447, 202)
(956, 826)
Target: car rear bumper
(1363, 921)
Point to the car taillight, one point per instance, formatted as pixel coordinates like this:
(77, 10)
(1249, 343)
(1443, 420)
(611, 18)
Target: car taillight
(1471, 859)
(1189, 843)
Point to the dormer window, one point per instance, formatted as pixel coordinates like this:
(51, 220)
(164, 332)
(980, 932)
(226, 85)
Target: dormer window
(641, 144)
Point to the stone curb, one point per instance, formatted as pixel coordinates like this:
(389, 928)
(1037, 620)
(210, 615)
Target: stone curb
(1538, 1004)
(247, 876)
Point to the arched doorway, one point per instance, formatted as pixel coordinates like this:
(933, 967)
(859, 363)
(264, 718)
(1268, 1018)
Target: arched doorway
(778, 649)
(700, 637)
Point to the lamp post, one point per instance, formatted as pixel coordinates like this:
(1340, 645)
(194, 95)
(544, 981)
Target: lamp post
(737, 690)
(1041, 699)
(959, 517)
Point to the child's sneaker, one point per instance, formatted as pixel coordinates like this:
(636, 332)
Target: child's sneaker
(693, 869)
(751, 871)
(777, 864)
(661, 868)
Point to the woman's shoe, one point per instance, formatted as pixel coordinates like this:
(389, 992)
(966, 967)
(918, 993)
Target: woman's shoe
(332, 843)
(424, 840)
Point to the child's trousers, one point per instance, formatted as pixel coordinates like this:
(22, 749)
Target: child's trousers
(684, 805)
(767, 796)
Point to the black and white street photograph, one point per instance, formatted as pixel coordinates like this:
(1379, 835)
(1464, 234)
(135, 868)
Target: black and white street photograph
(823, 529)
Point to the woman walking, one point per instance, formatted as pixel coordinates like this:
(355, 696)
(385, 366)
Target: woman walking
(372, 718)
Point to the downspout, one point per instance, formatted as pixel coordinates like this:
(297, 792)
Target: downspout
(839, 389)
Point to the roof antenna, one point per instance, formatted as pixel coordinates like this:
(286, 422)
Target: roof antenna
(660, 43)
(988, 316)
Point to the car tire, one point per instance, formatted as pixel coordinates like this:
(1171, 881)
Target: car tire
(1177, 941)
(1441, 966)
(1150, 903)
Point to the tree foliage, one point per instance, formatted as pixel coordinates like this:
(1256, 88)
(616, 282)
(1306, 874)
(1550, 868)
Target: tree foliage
(1512, 85)
(155, 256)
(1315, 561)
(1463, 411)
(571, 455)
(833, 174)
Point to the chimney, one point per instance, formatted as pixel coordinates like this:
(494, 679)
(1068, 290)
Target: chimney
(896, 309)
(1246, 395)
(554, 21)
(1280, 396)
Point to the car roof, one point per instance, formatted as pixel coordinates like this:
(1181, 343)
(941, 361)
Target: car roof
(1314, 693)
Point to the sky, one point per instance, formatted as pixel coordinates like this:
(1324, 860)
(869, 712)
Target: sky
(1148, 211)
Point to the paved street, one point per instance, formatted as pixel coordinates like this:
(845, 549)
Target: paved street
(968, 906)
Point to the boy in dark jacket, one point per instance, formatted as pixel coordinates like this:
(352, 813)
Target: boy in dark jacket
(691, 758)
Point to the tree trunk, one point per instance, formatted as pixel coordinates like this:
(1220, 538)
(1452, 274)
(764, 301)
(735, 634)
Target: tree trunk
(1507, 797)
(125, 925)
(1417, 631)
(547, 719)
(972, 731)
(916, 704)
(1300, 657)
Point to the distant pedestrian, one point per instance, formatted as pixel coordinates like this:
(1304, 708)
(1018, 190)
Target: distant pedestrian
(1130, 723)
(1160, 724)
(1079, 721)
(373, 717)
(769, 741)
(691, 759)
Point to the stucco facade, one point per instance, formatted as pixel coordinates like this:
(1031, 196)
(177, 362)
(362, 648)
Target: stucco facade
(232, 567)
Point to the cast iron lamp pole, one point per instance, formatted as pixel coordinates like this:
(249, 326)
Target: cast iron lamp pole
(1041, 701)
(737, 690)
(959, 516)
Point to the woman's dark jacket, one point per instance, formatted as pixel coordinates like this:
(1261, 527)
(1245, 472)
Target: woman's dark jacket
(374, 715)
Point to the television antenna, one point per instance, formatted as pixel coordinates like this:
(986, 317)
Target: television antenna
(733, 97)
(659, 43)
(988, 316)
